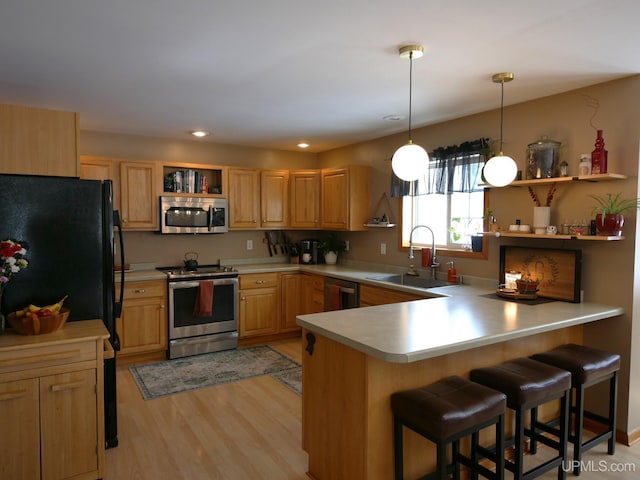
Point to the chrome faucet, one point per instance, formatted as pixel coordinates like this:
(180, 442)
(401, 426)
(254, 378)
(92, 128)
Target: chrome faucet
(434, 265)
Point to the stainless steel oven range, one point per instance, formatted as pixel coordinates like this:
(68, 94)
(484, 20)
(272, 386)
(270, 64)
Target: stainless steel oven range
(212, 324)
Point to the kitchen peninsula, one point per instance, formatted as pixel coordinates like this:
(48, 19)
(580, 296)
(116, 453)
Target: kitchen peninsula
(354, 359)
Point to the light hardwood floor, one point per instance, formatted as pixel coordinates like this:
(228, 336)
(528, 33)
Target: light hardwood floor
(249, 429)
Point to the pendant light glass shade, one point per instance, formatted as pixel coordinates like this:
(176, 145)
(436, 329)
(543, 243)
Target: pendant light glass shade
(501, 169)
(410, 161)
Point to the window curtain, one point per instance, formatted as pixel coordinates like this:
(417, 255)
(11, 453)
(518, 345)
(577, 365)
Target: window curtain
(457, 168)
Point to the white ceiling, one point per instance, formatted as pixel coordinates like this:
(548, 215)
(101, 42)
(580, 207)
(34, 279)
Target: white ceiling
(275, 73)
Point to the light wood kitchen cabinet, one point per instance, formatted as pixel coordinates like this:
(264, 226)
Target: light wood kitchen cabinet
(304, 199)
(259, 305)
(244, 198)
(139, 195)
(370, 296)
(143, 325)
(52, 403)
(100, 168)
(346, 198)
(274, 198)
(38, 142)
(313, 293)
(292, 300)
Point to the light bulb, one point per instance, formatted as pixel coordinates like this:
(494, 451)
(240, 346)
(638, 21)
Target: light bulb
(410, 162)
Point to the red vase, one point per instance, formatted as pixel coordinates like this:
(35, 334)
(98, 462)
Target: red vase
(611, 226)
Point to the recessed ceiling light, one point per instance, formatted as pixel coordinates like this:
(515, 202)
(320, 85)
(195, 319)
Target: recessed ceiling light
(199, 133)
(303, 145)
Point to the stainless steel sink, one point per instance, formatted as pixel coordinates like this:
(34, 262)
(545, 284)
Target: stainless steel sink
(411, 281)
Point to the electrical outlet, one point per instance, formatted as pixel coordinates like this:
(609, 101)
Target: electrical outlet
(383, 249)
(249, 244)
(346, 245)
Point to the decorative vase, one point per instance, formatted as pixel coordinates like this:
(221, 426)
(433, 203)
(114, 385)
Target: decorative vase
(599, 156)
(541, 219)
(330, 258)
(611, 226)
(476, 243)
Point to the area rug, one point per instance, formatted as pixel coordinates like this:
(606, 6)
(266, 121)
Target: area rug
(199, 371)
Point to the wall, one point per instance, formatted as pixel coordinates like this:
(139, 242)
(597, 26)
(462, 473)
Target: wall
(608, 267)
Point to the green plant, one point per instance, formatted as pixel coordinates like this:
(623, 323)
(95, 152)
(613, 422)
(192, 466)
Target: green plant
(610, 204)
(332, 244)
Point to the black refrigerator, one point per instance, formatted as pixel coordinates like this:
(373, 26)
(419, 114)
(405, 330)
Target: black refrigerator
(68, 225)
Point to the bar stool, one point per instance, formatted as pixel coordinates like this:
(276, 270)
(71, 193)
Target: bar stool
(529, 384)
(588, 366)
(444, 412)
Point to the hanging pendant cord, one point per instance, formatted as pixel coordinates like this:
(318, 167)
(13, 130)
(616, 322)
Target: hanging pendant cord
(501, 113)
(410, 89)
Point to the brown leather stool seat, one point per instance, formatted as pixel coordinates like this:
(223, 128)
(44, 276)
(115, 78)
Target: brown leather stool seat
(529, 384)
(444, 412)
(588, 366)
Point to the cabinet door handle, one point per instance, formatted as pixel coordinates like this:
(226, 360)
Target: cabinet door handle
(311, 341)
(12, 395)
(66, 386)
(139, 290)
(162, 305)
(259, 282)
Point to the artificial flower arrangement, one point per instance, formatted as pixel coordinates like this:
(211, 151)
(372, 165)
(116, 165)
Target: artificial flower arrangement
(550, 193)
(12, 260)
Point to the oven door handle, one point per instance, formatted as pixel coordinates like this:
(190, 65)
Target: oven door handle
(179, 285)
(348, 291)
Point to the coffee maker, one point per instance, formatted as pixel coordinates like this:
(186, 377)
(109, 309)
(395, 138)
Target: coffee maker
(309, 251)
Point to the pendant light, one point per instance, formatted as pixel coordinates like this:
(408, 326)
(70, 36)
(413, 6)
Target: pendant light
(500, 170)
(410, 161)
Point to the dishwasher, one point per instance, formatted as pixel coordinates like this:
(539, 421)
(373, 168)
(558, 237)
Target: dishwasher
(340, 294)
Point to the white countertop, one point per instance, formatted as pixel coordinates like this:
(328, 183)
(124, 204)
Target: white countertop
(469, 317)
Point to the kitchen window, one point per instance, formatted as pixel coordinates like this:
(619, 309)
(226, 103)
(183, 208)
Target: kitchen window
(447, 199)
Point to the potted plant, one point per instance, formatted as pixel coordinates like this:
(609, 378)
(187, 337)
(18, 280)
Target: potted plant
(609, 212)
(330, 247)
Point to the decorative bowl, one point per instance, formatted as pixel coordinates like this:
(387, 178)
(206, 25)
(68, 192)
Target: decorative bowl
(29, 325)
(524, 286)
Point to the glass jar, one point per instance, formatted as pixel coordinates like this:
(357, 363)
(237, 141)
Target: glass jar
(542, 158)
(584, 167)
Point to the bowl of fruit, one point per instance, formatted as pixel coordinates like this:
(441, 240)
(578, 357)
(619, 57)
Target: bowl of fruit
(34, 320)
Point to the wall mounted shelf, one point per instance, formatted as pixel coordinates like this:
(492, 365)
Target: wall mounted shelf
(601, 177)
(376, 221)
(601, 238)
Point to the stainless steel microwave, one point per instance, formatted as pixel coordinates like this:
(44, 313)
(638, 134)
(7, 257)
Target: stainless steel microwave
(193, 215)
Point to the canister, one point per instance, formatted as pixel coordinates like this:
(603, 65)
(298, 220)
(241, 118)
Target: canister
(542, 158)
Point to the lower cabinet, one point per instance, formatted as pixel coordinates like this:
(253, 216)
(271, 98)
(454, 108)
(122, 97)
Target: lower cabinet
(370, 296)
(143, 324)
(51, 404)
(259, 305)
(312, 293)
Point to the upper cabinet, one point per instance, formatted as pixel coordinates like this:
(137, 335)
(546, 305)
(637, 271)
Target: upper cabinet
(135, 188)
(258, 198)
(100, 168)
(346, 198)
(38, 142)
(304, 199)
(138, 195)
(274, 195)
(244, 198)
